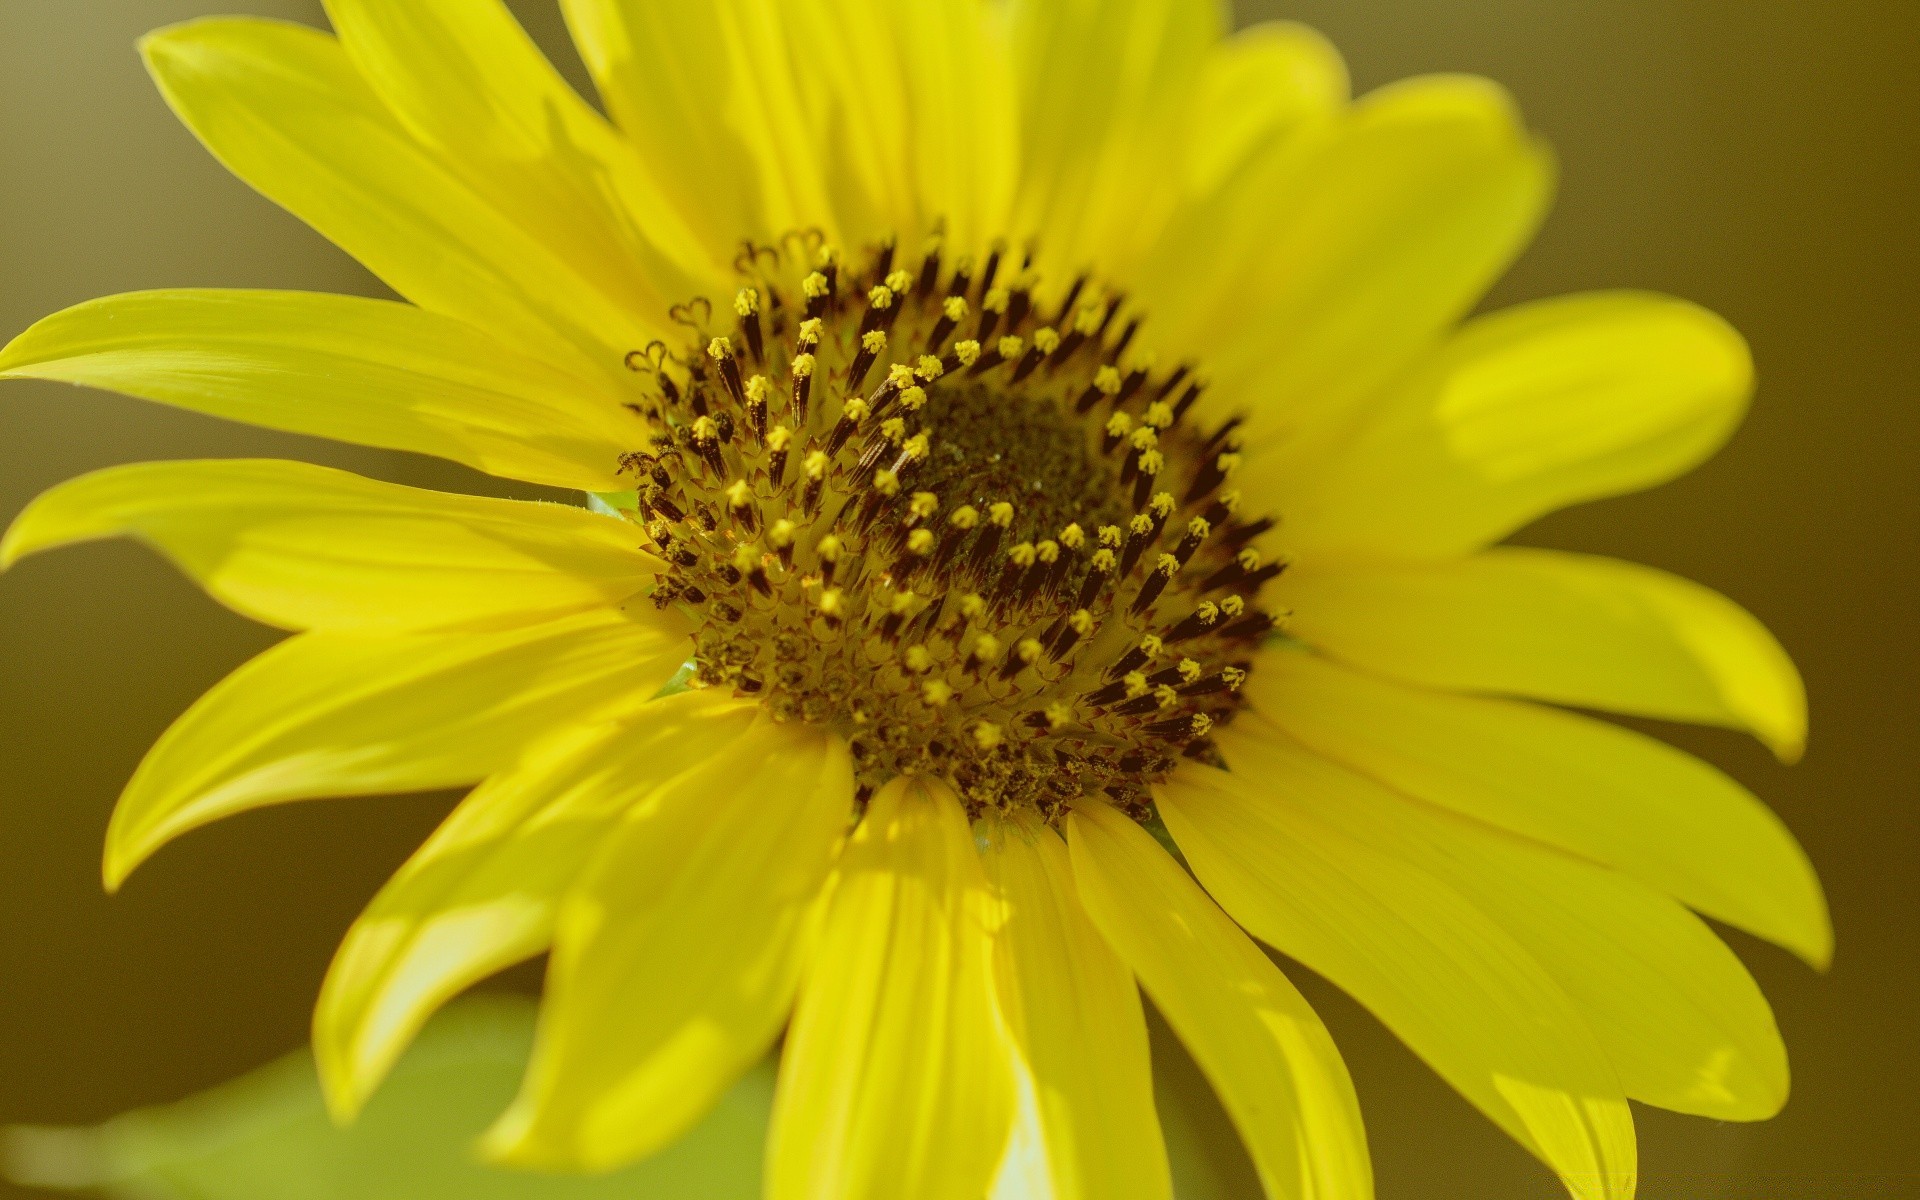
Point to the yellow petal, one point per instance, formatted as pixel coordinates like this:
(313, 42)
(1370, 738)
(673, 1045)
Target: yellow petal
(960, 82)
(1571, 628)
(366, 371)
(307, 547)
(1072, 1009)
(898, 1078)
(1609, 794)
(1459, 990)
(285, 110)
(1336, 259)
(1679, 1018)
(1256, 87)
(922, 100)
(665, 76)
(1105, 90)
(720, 100)
(328, 714)
(467, 81)
(1525, 411)
(482, 892)
(676, 956)
(1261, 1046)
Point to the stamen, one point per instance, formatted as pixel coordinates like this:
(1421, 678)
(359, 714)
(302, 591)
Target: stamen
(896, 500)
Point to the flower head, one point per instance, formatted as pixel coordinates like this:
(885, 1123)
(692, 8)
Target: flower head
(1012, 428)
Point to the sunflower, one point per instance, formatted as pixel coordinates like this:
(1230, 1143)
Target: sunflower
(949, 651)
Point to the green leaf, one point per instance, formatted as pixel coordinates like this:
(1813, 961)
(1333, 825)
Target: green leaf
(266, 1136)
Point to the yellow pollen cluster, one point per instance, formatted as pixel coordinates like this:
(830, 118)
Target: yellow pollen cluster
(901, 502)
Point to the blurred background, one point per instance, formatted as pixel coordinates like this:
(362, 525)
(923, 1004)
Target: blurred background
(1759, 156)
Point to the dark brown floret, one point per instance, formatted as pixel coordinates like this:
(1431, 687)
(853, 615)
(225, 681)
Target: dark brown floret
(964, 527)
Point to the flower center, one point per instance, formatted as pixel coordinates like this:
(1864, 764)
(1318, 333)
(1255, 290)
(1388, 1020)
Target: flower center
(979, 539)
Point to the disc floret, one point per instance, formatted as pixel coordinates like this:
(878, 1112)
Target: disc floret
(978, 533)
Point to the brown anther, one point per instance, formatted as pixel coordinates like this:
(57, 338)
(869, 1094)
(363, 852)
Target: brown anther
(1197, 531)
(854, 412)
(740, 504)
(1106, 382)
(758, 388)
(802, 371)
(1201, 619)
(1077, 626)
(1187, 399)
(818, 291)
(873, 344)
(953, 311)
(1163, 571)
(1100, 569)
(721, 351)
(746, 304)
(1137, 657)
(964, 354)
(779, 438)
(929, 268)
(1045, 341)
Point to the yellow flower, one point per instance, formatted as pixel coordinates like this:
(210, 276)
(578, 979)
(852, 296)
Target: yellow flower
(1029, 420)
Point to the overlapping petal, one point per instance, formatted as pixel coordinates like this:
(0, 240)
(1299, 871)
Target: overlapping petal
(1609, 794)
(1571, 628)
(898, 1078)
(676, 957)
(1263, 1049)
(1341, 254)
(666, 78)
(717, 101)
(1072, 1009)
(366, 371)
(466, 80)
(285, 109)
(307, 547)
(483, 891)
(1678, 1016)
(1457, 988)
(1256, 89)
(331, 714)
(1105, 89)
(923, 98)
(1522, 412)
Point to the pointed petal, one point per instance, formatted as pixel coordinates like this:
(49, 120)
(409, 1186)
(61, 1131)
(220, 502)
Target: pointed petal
(1679, 1018)
(912, 88)
(1256, 88)
(1523, 412)
(468, 82)
(666, 75)
(482, 892)
(1609, 794)
(1263, 1049)
(897, 1079)
(325, 714)
(1074, 1012)
(1461, 992)
(677, 956)
(307, 547)
(717, 93)
(1340, 257)
(1571, 628)
(365, 371)
(283, 107)
(1105, 91)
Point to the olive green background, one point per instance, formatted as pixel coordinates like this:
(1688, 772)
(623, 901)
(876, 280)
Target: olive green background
(1759, 156)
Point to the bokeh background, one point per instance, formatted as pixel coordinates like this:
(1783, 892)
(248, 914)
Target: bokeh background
(1760, 156)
